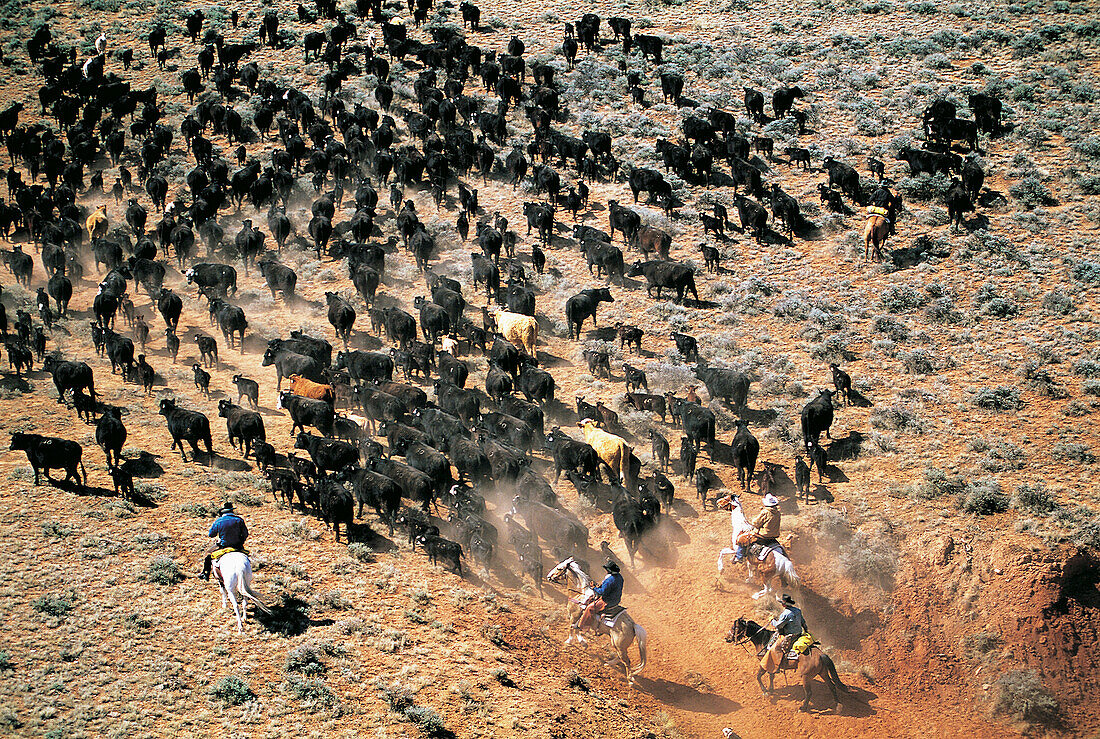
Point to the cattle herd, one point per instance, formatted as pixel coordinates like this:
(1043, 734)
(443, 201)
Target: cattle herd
(445, 443)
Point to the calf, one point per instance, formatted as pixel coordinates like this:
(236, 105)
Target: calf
(47, 452)
(208, 350)
(440, 549)
(660, 449)
(185, 425)
(202, 379)
(686, 345)
(842, 381)
(599, 362)
(635, 378)
(72, 376)
(123, 482)
(647, 402)
(687, 458)
(247, 388)
(705, 481)
(802, 478)
(629, 335)
(337, 506)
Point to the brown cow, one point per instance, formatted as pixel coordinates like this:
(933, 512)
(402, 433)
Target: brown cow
(309, 389)
(651, 240)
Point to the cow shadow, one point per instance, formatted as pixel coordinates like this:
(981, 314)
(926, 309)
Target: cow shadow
(362, 533)
(682, 509)
(820, 494)
(290, 617)
(144, 465)
(859, 400)
(16, 383)
(760, 416)
(847, 448)
(835, 474)
(782, 484)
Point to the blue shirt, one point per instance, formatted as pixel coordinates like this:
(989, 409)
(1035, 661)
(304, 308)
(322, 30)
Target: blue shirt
(790, 622)
(230, 530)
(611, 589)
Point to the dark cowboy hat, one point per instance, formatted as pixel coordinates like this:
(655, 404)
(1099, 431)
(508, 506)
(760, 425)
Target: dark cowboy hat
(610, 566)
(787, 600)
(227, 508)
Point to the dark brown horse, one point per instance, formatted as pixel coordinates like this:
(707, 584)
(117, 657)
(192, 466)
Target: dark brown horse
(809, 665)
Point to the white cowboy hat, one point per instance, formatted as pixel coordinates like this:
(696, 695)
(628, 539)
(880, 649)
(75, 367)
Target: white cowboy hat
(770, 500)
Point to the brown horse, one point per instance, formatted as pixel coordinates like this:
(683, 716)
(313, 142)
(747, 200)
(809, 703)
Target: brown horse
(875, 232)
(808, 666)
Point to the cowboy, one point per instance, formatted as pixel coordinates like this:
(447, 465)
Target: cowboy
(765, 527)
(885, 200)
(605, 595)
(231, 532)
(789, 626)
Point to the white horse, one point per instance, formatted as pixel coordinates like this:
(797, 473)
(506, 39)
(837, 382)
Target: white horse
(774, 570)
(233, 571)
(622, 634)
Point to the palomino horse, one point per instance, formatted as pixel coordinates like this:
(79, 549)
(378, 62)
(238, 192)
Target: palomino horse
(875, 231)
(809, 665)
(774, 572)
(233, 571)
(622, 634)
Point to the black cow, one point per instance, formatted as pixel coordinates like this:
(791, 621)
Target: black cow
(987, 112)
(247, 388)
(727, 384)
(745, 450)
(73, 376)
(648, 180)
(582, 306)
(366, 366)
(440, 549)
(623, 219)
(329, 455)
(783, 100)
(536, 384)
(686, 345)
(666, 275)
(242, 425)
(817, 416)
(307, 412)
(845, 178)
(221, 279)
(415, 484)
(110, 435)
(754, 104)
(280, 279)
(47, 452)
(699, 423)
(753, 215)
(185, 425)
(688, 454)
(289, 363)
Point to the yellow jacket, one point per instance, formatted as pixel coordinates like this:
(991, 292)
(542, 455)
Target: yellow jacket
(767, 522)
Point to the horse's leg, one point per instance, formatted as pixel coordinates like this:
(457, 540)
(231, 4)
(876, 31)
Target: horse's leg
(760, 674)
(807, 684)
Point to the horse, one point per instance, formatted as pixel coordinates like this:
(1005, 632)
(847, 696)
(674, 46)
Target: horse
(625, 630)
(233, 571)
(808, 666)
(875, 231)
(775, 571)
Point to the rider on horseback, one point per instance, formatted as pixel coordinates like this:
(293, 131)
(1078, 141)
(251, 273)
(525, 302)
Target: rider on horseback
(605, 595)
(888, 203)
(765, 526)
(231, 532)
(789, 626)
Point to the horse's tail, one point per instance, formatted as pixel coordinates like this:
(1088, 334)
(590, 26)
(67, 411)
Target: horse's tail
(784, 568)
(831, 677)
(642, 637)
(245, 587)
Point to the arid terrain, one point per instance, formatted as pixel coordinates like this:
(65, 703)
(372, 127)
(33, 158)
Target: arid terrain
(948, 557)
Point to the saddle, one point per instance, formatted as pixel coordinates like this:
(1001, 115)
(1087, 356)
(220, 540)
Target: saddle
(761, 549)
(610, 615)
(219, 553)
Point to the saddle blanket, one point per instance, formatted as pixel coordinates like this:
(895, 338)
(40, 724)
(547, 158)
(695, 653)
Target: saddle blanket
(218, 553)
(611, 616)
(875, 210)
(762, 550)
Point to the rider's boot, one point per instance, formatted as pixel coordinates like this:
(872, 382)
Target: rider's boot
(738, 553)
(206, 564)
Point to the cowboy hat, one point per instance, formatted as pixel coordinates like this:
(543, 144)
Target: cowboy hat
(787, 600)
(770, 500)
(610, 566)
(227, 508)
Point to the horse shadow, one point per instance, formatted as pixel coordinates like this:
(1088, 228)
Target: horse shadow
(686, 697)
(289, 618)
(218, 462)
(821, 699)
(16, 383)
